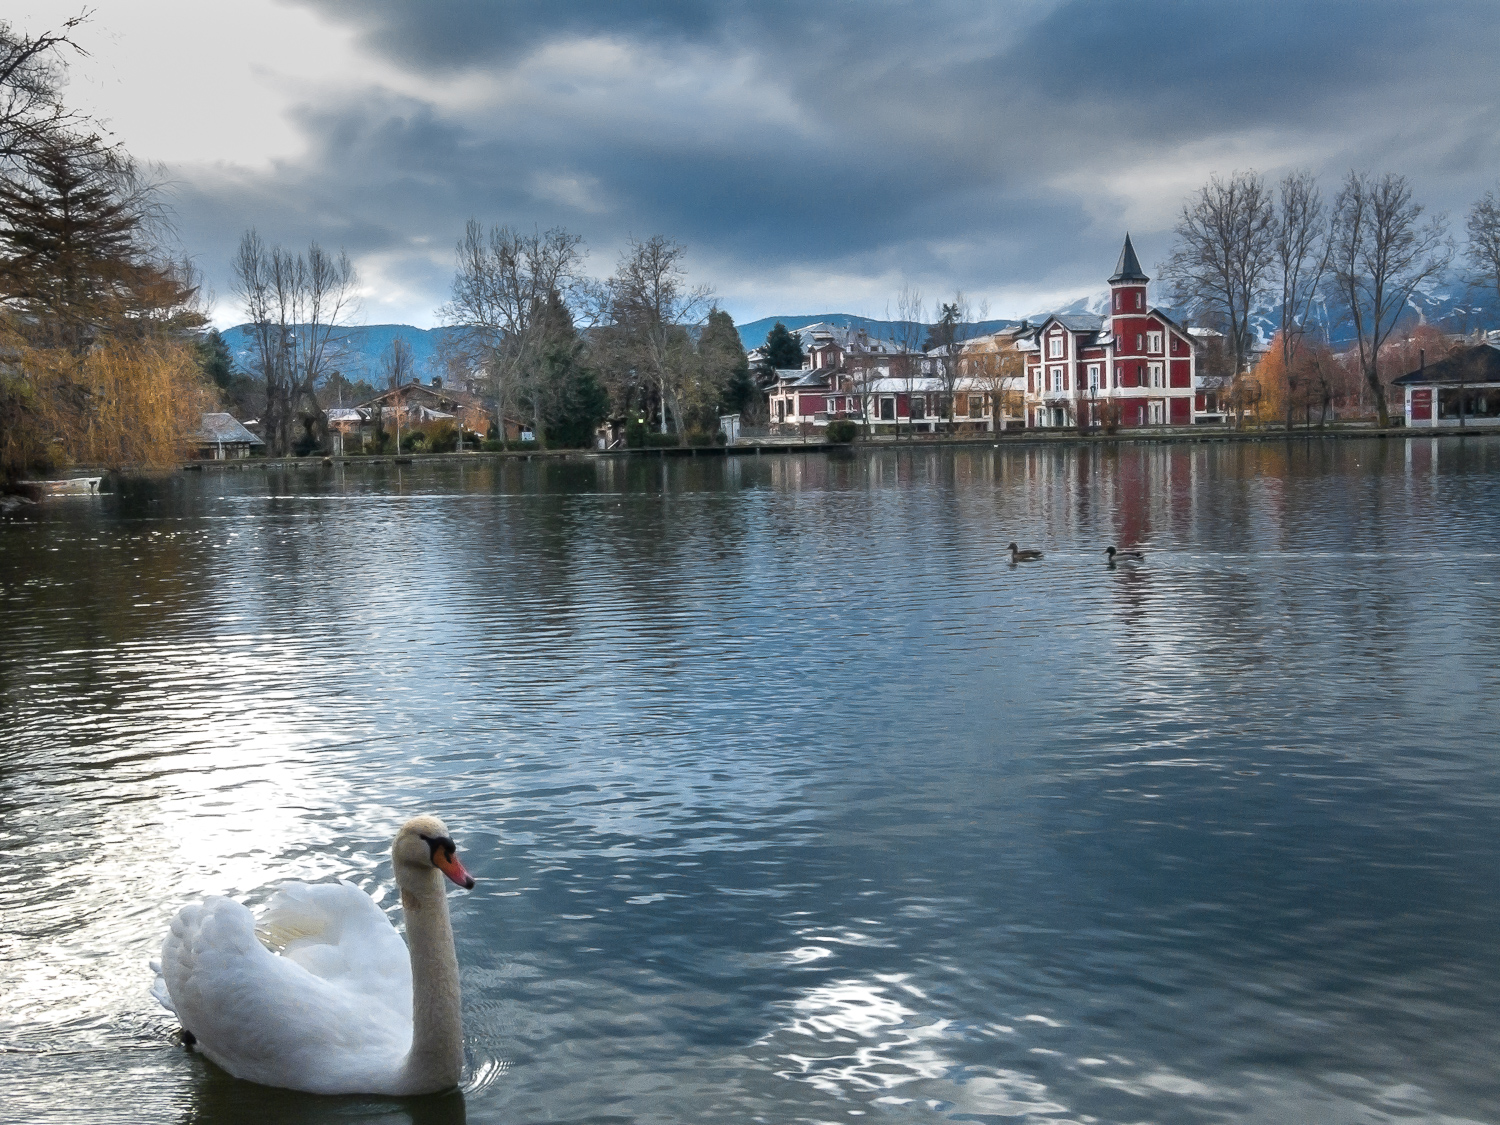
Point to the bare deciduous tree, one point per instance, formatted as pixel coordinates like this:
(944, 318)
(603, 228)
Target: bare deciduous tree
(651, 306)
(398, 364)
(1483, 249)
(503, 286)
(1225, 254)
(32, 114)
(1302, 248)
(905, 365)
(955, 327)
(1380, 253)
(296, 304)
(997, 366)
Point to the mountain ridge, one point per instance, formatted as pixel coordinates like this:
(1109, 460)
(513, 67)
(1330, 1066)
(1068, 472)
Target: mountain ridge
(361, 349)
(753, 334)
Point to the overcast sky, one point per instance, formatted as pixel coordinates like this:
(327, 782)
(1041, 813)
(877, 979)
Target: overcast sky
(811, 156)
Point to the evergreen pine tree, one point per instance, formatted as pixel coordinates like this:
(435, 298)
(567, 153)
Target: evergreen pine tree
(783, 348)
(726, 366)
(73, 260)
(564, 392)
(945, 331)
(241, 394)
(215, 359)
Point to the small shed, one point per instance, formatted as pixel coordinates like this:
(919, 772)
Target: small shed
(1461, 390)
(220, 437)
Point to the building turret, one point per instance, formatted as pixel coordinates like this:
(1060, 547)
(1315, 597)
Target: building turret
(1128, 268)
(1127, 300)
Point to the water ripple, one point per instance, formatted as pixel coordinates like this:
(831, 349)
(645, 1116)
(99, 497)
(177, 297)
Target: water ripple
(789, 797)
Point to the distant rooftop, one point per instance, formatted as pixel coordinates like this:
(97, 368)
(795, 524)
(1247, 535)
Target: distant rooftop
(224, 428)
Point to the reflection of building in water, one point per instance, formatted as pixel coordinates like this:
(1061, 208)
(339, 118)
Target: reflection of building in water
(1126, 494)
(1134, 367)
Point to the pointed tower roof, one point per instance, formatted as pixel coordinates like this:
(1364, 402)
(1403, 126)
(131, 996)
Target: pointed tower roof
(1128, 268)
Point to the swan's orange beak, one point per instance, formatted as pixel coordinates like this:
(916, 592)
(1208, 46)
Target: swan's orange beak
(447, 863)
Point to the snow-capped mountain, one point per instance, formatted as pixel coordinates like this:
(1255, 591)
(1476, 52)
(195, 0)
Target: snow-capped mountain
(1450, 303)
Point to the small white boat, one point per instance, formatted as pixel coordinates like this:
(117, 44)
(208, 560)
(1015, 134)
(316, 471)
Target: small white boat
(83, 486)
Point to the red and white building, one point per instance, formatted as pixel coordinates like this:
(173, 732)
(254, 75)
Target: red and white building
(1132, 367)
(846, 374)
(839, 366)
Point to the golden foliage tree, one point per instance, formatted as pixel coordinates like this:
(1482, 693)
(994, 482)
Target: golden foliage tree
(96, 356)
(1270, 376)
(126, 402)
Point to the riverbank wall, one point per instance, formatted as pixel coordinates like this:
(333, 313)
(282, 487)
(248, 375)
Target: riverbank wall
(783, 446)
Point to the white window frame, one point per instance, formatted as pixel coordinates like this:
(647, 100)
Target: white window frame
(1057, 380)
(1156, 374)
(1139, 297)
(1055, 346)
(1156, 412)
(1153, 343)
(1094, 374)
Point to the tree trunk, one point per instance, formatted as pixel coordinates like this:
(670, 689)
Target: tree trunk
(319, 417)
(277, 425)
(1372, 377)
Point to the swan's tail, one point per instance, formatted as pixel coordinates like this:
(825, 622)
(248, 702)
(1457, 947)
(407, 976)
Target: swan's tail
(159, 989)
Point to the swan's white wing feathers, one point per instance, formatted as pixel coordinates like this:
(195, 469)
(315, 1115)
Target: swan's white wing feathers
(335, 931)
(280, 1020)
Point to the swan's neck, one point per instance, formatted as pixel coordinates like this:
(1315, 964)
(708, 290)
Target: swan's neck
(436, 1061)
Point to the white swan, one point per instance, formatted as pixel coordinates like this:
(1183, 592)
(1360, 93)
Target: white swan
(345, 1008)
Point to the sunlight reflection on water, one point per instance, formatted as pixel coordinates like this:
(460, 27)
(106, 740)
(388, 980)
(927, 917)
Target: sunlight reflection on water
(788, 797)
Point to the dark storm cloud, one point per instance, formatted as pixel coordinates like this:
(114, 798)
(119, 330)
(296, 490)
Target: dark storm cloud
(959, 143)
(437, 37)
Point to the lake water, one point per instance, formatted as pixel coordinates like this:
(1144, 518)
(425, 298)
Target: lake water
(789, 798)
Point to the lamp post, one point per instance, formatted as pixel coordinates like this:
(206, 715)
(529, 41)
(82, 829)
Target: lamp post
(1093, 403)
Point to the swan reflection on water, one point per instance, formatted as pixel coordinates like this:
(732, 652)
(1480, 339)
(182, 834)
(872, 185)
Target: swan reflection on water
(217, 1098)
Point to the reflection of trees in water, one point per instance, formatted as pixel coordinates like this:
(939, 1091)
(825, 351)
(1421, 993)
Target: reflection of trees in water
(566, 546)
(102, 570)
(85, 578)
